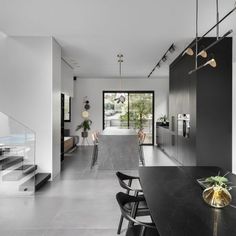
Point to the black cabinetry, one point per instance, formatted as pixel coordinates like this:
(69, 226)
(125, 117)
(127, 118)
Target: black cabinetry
(163, 139)
(207, 97)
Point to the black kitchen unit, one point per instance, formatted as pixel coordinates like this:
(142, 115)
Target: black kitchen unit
(200, 108)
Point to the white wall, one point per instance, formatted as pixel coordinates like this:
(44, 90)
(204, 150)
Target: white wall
(26, 87)
(67, 81)
(56, 108)
(93, 88)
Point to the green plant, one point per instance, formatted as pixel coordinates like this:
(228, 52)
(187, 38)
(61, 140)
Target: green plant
(85, 125)
(140, 110)
(217, 180)
(163, 119)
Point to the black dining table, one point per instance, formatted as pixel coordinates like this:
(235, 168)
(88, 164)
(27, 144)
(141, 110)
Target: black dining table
(177, 208)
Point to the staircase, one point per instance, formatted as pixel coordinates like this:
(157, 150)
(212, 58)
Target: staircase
(18, 173)
(17, 176)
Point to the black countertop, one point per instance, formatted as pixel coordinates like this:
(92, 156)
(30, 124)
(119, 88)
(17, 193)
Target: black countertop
(176, 205)
(165, 126)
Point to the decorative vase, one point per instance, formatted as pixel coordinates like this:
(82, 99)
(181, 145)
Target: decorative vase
(217, 196)
(84, 134)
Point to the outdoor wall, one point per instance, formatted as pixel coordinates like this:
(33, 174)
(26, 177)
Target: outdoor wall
(27, 92)
(93, 89)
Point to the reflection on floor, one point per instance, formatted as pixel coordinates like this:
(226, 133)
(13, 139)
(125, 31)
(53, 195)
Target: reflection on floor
(79, 202)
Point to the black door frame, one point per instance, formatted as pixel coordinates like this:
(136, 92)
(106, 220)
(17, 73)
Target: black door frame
(131, 91)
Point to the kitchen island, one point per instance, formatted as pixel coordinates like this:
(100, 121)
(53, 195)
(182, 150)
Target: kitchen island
(118, 149)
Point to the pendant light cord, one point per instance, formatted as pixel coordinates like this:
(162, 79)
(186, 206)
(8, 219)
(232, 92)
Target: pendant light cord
(120, 60)
(120, 74)
(217, 20)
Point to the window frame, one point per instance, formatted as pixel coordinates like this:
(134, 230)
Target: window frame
(130, 91)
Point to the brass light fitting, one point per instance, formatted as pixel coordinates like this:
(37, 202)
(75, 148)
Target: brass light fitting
(211, 62)
(188, 51)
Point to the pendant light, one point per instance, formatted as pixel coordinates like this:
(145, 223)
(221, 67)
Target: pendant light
(203, 52)
(211, 62)
(121, 97)
(189, 51)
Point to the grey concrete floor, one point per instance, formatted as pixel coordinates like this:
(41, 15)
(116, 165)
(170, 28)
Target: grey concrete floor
(79, 202)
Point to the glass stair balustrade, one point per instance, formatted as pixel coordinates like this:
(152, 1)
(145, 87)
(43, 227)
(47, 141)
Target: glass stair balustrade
(17, 157)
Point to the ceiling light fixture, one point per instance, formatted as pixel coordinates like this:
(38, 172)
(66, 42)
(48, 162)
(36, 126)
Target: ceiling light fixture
(188, 51)
(164, 58)
(203, 53)
(171, 49)
(213, 27)
(211, 62)
(120, 98)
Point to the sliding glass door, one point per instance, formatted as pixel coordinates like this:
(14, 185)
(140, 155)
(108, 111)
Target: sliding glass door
(137, 112)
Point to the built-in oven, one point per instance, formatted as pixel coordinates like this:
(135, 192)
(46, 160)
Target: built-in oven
(184, 125)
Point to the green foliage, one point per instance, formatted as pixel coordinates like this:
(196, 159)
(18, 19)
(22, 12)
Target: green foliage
(217, 180)
(85, 125)
(140, 109)
(109, 106)
(163, 119)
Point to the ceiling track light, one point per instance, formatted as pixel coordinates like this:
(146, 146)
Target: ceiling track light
(171, 49)
(164, 58)
(211, 62)
(203, 52)
(213, 27)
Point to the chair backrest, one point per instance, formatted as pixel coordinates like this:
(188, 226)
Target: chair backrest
(122, 177)
(95, 137)
(123, 199)
(141, 136)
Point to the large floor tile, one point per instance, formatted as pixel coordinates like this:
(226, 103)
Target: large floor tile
(81, 201)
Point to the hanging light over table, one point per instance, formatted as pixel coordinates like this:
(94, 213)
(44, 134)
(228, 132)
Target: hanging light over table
(121, 97)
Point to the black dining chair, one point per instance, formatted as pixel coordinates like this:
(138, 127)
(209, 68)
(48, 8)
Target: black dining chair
(137, 228)
(125, 182)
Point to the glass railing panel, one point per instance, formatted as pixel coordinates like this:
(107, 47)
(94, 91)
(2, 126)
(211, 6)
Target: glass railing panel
(17, 157)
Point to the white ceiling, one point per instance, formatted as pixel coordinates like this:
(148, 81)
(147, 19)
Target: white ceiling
(93, 32)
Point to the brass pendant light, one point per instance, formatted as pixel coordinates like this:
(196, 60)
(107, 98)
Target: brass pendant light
(121, 97)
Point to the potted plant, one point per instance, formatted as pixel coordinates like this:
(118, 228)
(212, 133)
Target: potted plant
(85, 125)
(163, 120)
(217, 194)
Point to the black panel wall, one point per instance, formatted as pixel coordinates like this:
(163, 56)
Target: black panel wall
(207, 97)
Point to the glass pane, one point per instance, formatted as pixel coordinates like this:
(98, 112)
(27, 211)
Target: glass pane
(67, 108)
(115, 112)
(17, 157)
(140, 113)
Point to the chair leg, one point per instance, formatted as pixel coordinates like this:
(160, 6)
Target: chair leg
(142, 233)
(120, 224)
(134, 209)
